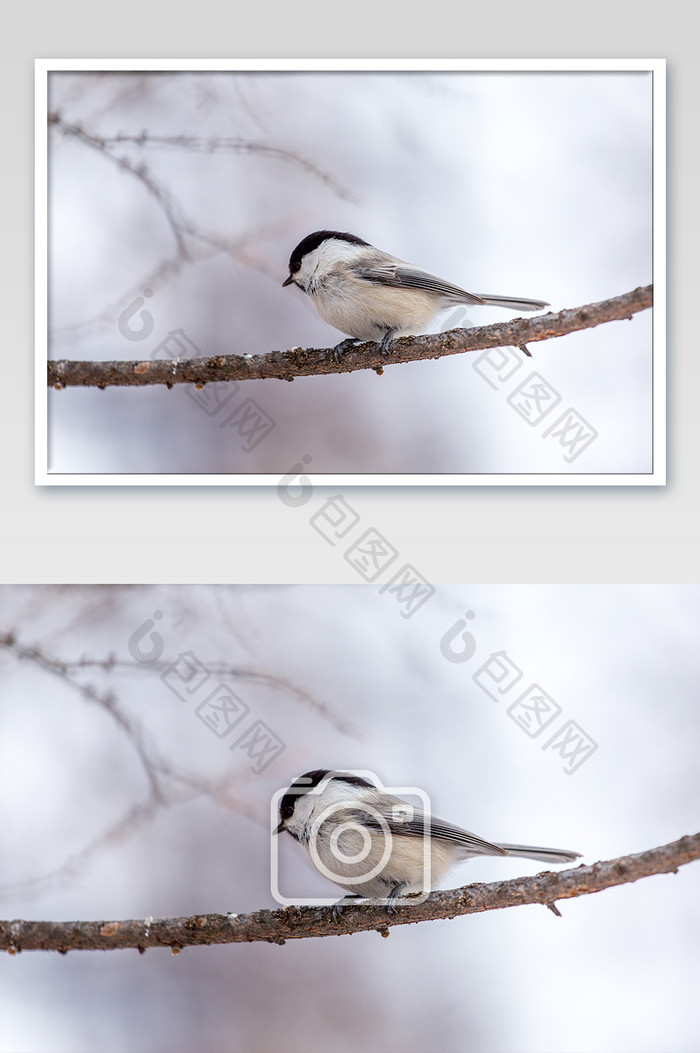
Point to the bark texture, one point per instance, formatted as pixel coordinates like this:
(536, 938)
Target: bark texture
(295, 923)
(286, 365)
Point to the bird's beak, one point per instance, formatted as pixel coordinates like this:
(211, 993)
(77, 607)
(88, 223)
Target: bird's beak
(288, 281)
(279, 829)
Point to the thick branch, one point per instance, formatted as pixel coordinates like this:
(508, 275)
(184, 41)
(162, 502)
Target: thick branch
(294, 923)
(286, 365)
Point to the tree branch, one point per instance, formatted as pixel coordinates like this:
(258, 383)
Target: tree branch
(294, 923)
(286, 365)
(198, 144)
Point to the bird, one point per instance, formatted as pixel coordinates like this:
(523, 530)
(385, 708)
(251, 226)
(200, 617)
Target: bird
(371, 295)
(376, 845)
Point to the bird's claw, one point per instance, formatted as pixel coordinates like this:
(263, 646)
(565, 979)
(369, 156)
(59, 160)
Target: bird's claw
(393, 897)
(337, 908)
(344, 345)
(386, 341)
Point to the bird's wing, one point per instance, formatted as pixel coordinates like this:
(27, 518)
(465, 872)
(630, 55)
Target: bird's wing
(385, 812)
(404, 819)
(403, 276)
(443, 831)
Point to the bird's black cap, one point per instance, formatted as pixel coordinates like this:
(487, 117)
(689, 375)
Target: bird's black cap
(312, 241)
(308, 782)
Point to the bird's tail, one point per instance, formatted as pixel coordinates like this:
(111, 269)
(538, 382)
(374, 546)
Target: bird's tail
(514, 303)
(544, 855)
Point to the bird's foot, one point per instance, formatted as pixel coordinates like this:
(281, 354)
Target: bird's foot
(393, 897)
(386, 341)
(344, 345)
(337, 908)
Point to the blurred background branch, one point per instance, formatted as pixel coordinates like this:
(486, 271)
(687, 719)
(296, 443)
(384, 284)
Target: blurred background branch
(286, 365)
(193, 241)
(166, 783)
(302, 922)
(199, 144)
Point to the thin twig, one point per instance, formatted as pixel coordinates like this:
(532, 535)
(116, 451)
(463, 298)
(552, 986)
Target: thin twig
(294, 923)
(202, 145)
(224, 669)
(169, 784)
(193, 242)
(286, 365)
(66, 669)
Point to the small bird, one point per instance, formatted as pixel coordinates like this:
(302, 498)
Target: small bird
(371, 295)
(378, 846)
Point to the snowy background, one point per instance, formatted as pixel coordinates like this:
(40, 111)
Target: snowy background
(525, 184)
(344, 681)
